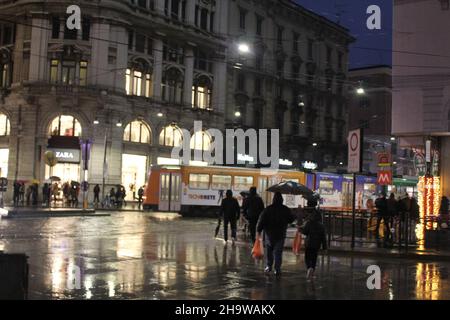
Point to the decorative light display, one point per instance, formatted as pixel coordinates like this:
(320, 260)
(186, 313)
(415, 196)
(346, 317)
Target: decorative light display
(429, 188)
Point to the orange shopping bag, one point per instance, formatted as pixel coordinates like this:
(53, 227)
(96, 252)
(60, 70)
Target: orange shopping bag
(297, 245)
(257, 251)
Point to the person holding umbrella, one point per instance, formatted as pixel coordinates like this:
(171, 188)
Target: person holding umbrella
(274, 221)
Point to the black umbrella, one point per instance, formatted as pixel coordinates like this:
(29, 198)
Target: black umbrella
(291, 187)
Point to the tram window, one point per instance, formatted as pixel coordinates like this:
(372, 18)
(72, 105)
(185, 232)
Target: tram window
(198, 181)
(220, 182)
(243, 183)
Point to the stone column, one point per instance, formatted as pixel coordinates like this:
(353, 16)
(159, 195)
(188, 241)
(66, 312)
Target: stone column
(188, 76)
(99, 74)
(159, 6)
(190, 12)
(219, 86)
(157, 68)
(121, 58)
(221, 17)
(40, 33)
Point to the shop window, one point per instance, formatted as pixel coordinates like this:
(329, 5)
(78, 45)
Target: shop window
(4, 157)
(5, 125)
(65, 126)
(198, 181)
(171, 136)
(200, 141)
(219, 182)
(242, 183)
(137, 131)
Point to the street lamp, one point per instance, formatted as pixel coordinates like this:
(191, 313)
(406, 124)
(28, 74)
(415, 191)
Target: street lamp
(314, 144)
(96, 121)
(160, 114)
(243, 48)
(119, 123)
(237, 114)
(360, 90)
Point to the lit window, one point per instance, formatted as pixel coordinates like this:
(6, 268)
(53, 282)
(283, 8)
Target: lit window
(200, 141)
(137, 83)
(148, 85)
(137, 131)
(243, 183)
(68, 72)
(171, 136)
(5, 126)
(128, 82)
(83, 73)
(219, 182)
(199, 181)
(65, 126)
(54, 71)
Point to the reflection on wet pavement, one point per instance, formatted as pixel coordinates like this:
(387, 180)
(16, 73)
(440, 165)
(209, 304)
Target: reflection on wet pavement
(134, 255)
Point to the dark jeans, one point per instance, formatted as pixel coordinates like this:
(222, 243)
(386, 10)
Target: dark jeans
(311, 257)
(233, 224)
(96, 198)
(274, 251)
(387, 226)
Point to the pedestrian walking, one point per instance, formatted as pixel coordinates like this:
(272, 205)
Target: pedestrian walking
(140, 196)
(274, 221)
(229, 211)
(315, 234)
(55, 192)
(22, 193)
(112, 197)
(382, 215)
(96, 194)
(34, 194)
(28, 195)
(45, 194)
(252, 208)
(16, 190)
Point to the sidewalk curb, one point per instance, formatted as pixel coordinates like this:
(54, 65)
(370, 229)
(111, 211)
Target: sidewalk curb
(404, 256)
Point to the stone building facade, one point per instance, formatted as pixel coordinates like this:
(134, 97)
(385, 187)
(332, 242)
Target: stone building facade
(139, 70)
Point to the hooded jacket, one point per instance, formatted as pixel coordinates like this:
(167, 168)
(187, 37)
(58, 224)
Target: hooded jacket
(274, 220)
(314, 231)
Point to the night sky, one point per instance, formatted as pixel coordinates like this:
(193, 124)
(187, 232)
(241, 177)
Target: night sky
(372, 47)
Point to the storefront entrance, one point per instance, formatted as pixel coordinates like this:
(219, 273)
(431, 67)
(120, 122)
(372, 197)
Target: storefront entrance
(134, 171)
(4, 155)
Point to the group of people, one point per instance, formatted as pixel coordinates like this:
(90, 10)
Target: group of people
(116, 196)
(271, 223)
(25, 195)
(400, 213)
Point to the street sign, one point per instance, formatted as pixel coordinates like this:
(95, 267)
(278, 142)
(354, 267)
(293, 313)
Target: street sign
(384, 178)
(354, 151)
(384, 159)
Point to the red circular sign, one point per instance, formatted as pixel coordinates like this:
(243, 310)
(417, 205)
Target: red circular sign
(354, 142)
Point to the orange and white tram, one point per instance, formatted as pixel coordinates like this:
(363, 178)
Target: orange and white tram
(198, 191)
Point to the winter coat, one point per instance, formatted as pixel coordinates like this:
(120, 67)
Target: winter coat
(382, 207)
(315, 234)
(230, 208)
(252, 207)
(274, 221)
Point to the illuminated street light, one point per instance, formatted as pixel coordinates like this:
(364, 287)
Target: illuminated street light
(160, 114)
(360, 90)
(314, 144)
(244, 48)
(96, 121)
(119, 123)
(392, 138)
(237, 114)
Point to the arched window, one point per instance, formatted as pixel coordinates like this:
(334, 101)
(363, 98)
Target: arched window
(65, 126)
(200, 141)
(171, 136)
(172, 85)
(139, 79)
(137, 131)
(5, 126)
(202, 93)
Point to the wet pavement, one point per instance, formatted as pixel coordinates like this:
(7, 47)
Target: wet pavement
(136, 255)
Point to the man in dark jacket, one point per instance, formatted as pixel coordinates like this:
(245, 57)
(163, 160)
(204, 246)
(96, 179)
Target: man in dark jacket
(252, 208)
(382, 214)
(316, 238)
(274, 221)
(230, 211)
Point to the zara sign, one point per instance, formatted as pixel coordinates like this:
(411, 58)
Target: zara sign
(67, 155)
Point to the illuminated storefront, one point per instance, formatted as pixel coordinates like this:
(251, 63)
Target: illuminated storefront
(64, 142)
